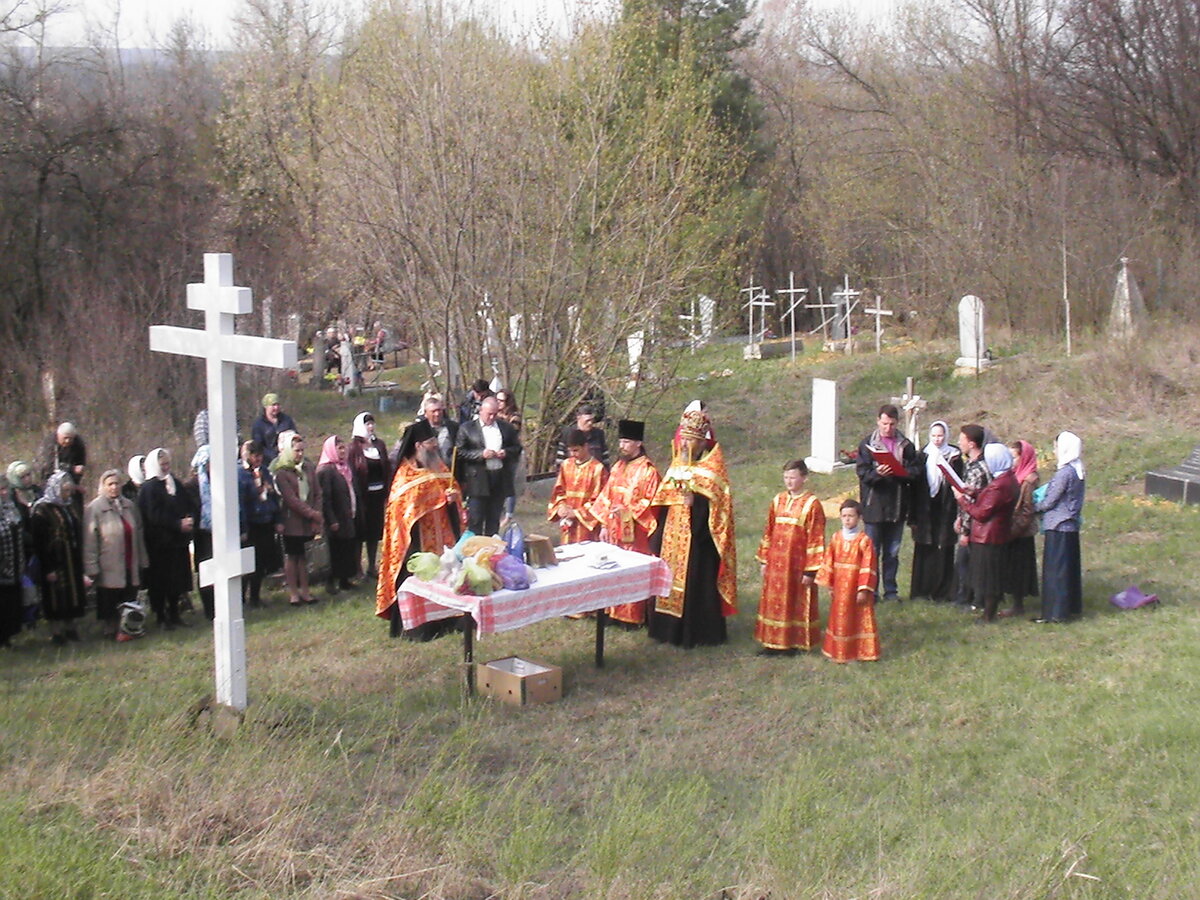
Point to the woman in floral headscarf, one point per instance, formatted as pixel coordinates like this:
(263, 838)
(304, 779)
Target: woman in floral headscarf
(300, 496)
(56, 539)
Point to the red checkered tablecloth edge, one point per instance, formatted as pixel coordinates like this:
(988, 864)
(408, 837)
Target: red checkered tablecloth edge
(571, 587)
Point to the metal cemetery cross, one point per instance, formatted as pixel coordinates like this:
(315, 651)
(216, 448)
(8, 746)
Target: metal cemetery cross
(850, 298)
(221, 349)
(822, 306)
(791, 291)
(758, 298)
(878, 311)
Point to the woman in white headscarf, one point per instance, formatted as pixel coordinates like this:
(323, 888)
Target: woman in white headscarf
(991, 520)
(169, 517)
(368, 459)
(136, 470)
(932, 518)
(56, 542)
(1061, 506)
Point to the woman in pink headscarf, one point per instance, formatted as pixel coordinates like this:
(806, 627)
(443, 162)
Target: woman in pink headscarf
(1022, 551)
(340, 505)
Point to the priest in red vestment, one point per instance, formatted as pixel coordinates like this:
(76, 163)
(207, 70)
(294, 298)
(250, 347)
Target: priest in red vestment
(422, 515)
(696, 509)
(623, 509)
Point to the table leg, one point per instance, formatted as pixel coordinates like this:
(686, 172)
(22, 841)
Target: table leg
(468, 627)
(601, 621)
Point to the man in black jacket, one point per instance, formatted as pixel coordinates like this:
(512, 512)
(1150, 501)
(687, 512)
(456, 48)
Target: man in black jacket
(884, 493)
(488, 450)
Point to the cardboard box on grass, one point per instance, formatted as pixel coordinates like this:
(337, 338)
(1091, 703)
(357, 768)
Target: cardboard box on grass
(518, 682)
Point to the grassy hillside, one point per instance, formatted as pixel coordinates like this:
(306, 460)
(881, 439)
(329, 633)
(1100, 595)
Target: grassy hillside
(1002, 761)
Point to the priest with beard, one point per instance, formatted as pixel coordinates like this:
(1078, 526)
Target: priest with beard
(623, 507)
(422, 516)
(696, 515)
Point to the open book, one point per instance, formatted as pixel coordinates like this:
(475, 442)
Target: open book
(948, 472)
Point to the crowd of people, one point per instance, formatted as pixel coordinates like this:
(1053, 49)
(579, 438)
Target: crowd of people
(973, 507)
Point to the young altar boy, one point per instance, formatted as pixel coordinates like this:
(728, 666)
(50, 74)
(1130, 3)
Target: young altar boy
(849, 570)
(580, 480)
(791, 552)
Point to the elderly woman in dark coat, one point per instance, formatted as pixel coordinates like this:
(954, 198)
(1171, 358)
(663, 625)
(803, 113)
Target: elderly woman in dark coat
(56, 540)
(368, 460)
(339, 504)
(114, 549)
(932, 516)
(12, 565)
(169, 518)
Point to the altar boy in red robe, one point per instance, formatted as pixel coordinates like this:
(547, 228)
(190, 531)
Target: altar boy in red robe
(849, 571)
(791, 552)
(580, 480)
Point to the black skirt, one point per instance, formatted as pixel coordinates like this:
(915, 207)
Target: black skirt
(1062, 576)
(987, 566)
(933, 572)
(1021, 569)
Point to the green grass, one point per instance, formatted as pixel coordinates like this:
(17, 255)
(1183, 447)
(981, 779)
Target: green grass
(1008, 761)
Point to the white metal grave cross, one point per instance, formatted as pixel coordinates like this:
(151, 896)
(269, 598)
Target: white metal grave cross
(850, 299)
(825, 318)
(791, 291)
(758, 298)
(221, 349)
(693, 337)
(878, 311)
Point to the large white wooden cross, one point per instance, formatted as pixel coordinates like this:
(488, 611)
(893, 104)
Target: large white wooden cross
(221, 349)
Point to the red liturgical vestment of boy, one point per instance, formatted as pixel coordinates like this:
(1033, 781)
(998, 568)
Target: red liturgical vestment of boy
(850, 567)
(793, 544)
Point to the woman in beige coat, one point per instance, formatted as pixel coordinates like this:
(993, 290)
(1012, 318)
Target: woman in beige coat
(114, 549)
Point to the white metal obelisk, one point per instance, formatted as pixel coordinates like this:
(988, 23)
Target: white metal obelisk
(221, 348)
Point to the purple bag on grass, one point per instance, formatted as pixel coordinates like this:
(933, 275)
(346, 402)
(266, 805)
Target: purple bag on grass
(1132, 598)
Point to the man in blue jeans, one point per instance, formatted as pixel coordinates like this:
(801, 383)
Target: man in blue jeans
(884, 491)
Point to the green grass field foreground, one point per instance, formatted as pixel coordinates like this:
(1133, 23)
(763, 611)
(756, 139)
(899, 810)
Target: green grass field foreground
(1003, 761)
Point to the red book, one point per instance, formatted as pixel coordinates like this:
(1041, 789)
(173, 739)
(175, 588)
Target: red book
(886, 458)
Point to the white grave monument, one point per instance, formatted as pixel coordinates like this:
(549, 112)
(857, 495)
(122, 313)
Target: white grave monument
(221, 348)
(824, 458)
(972, 348)
(634, 344)
(1128, 307)
(708, 315)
